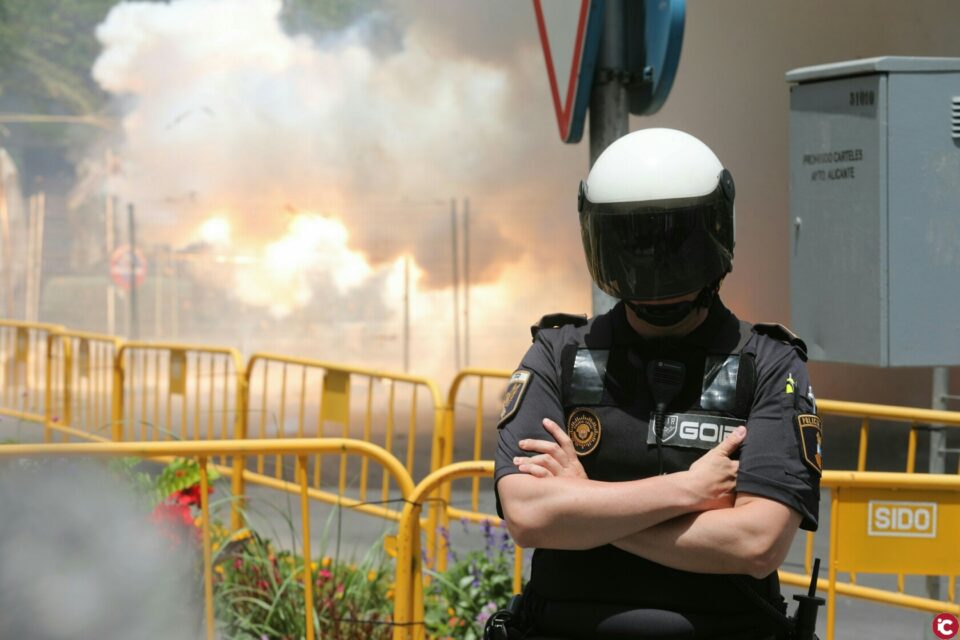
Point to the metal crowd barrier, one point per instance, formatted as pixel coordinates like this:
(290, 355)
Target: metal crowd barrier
(482, 423)
(890, 523)
(204, 452)
(79, 385)
(178, 392)
(76, 383)
(917, 419)
(868, 530)
(409, 609)
(299, 397)
(23, 369)
(182, 392)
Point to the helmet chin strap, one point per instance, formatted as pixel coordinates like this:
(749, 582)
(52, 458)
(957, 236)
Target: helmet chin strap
(668, 315)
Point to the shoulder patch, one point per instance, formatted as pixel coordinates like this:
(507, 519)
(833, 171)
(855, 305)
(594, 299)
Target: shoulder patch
(781, 333)
(556, 320)
(810, 436)
(516, 387)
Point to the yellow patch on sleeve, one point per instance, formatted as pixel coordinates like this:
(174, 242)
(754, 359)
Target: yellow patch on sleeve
(516, 387)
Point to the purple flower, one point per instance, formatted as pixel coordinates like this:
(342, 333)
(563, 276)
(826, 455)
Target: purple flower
(488, 610)
(506, 544)
(489, 543)
(445, 536)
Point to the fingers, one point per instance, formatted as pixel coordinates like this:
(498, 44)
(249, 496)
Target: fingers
(560, 436)
(556, 457)
(541, 446)
(534, 470)
(732, 442)
(544, 461)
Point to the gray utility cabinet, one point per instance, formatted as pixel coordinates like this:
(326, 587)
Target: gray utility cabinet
(875, 210)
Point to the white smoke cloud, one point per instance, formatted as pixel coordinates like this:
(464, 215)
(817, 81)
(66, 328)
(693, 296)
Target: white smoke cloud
(229, 111)
(227, 115)
(79, 559)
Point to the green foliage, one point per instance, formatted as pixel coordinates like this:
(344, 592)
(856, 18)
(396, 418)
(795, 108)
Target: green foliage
(459, 601)
(180, 474)
(259, 592)
(47, 48)
(129, 470)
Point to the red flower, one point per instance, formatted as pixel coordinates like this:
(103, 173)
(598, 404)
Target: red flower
(189, 496)
(174, 515)
(175, 522)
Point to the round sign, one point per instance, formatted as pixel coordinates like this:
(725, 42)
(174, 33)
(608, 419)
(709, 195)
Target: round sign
(946, 626)
(125, 263)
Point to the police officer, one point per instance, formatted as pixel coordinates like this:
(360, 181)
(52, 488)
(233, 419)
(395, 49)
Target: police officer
(622, 455)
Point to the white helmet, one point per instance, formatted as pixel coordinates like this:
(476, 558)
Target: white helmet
(656, 216)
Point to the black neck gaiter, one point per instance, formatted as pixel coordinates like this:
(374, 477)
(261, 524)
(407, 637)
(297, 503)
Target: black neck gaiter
(667, 315)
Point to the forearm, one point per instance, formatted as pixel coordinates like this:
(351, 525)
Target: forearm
(577, 513)
(751, 538)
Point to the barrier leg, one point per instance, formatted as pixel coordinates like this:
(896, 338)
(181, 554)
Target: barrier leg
(207, 554)
(307, 568)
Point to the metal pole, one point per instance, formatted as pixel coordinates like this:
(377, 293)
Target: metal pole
(175, 316)
(406, 314)
(938, 447)
(158, 294)
(38, 254)
(134, 315)
(7, 246)
(110, 204)
(456, 284)
(609, 109)
(31, 238)
(466, 282)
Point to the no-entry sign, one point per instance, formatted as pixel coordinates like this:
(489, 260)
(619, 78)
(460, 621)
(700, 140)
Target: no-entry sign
(127, 266)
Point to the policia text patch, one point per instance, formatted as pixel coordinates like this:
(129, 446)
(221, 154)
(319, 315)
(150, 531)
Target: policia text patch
(810, 435)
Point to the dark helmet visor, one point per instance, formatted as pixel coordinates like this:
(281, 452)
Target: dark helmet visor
(656, 250)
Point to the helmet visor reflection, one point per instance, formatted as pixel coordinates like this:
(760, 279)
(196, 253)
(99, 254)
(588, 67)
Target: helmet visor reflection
(657, 250)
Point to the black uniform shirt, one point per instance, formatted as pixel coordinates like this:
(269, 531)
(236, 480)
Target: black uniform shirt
(597, 370)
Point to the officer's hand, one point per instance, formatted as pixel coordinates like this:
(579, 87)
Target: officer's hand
(555, 458)
(715, 474)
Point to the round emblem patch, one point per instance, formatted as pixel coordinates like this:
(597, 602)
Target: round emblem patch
(583, 427)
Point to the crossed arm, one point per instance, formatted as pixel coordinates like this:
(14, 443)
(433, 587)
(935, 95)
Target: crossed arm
(691, 520)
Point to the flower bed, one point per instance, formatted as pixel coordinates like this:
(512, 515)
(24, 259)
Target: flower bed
(258, 587)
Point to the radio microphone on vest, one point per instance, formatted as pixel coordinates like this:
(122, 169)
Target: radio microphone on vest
(665, 379)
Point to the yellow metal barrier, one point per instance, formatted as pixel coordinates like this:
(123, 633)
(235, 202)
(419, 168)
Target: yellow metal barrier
(869, 413)
(204, 451)
(300, 397)
(79, 385)
(408, 610)
(857, 498)
(181, 392)
(23, 369)
(487, 393)
(177, 392)
(890, 523)
(865, 412)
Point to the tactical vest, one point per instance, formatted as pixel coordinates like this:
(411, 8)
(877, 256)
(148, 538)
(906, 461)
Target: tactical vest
(728, 385)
